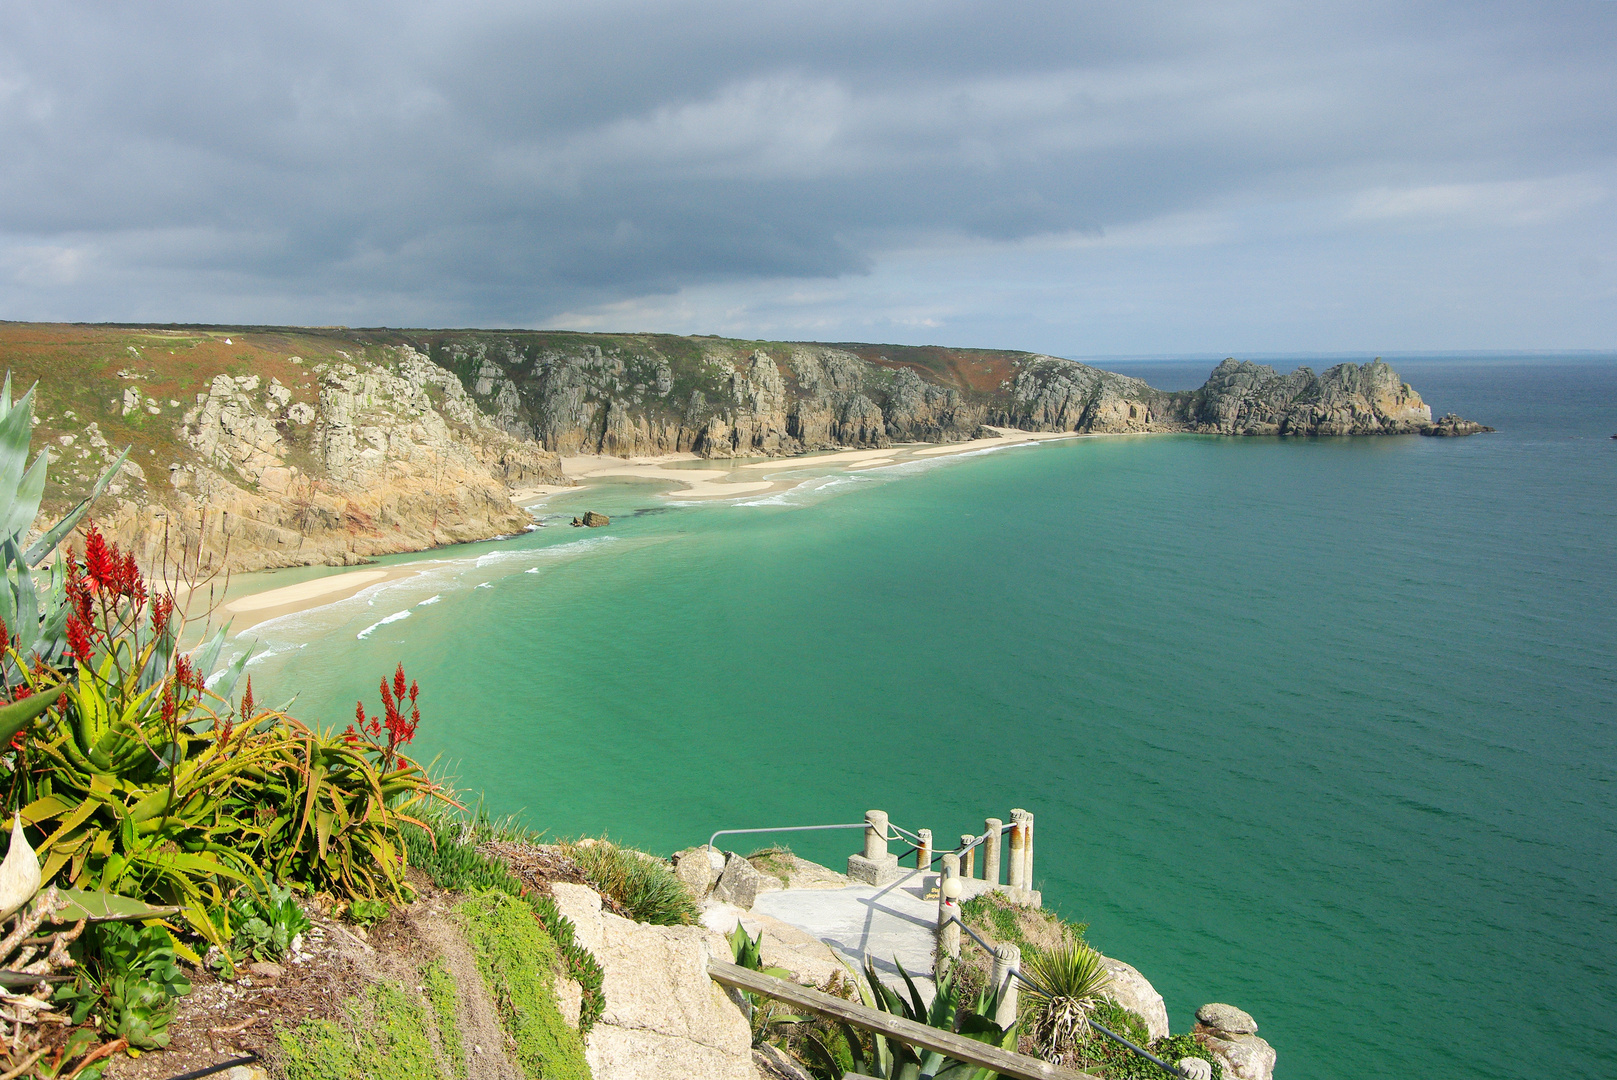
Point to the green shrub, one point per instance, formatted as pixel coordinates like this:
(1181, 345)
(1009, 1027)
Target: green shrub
(519, 963)
(643, 884)
(442, 994)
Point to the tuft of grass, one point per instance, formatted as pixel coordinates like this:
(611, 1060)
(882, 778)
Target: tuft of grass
(644, 884)
(776, 862)
(384, 1033)
(442, 993)
(519, 963)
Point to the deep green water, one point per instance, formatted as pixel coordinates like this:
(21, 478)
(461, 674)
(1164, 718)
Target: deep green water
(1321, 728)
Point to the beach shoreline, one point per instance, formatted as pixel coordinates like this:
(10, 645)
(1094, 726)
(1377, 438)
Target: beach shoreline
(708, 485)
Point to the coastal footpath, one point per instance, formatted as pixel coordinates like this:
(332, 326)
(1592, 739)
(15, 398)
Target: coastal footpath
(260, 447)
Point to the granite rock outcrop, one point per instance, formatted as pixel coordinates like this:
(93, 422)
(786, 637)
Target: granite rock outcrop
(393, 456)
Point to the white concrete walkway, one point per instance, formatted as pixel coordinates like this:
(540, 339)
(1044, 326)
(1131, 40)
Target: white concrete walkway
(891, 924)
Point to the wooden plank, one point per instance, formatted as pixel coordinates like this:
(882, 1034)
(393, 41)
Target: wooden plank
(894, 1027)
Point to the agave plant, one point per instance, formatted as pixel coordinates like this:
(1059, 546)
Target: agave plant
(1064, 983)
(894, 1060)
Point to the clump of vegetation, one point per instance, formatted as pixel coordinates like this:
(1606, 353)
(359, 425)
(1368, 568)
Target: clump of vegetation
(890, 1059)
(776, 862)
(266, 928)
(643, 884)
(368, 912)
(127, 985)
(444, 844)
(385, 1032)
(519, 963)
(1063, 988)
(442, 994)
(1119, 1063)
(995, 918)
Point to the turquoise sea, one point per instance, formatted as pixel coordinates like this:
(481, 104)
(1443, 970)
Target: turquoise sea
(1326, 729)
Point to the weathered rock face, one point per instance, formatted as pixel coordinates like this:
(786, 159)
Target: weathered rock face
(1134, 992)
(1231, 1035)
(665, 1019)
(631, 395)
(395, 457)
(739, 884)
(1243, 398)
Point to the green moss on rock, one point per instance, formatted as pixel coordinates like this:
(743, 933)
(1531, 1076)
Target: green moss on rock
(519, 963)
(383, 1034)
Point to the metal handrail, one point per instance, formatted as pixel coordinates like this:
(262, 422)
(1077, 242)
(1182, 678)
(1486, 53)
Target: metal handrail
(1173, 1070)
(785, 828)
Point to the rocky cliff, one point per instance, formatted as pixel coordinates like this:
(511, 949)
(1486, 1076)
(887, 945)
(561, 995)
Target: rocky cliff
(273, 446)
(647, 394)
(301, 461)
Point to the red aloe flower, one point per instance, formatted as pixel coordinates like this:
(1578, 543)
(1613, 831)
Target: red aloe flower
(248, 709)
(78, 638)
(102, 565)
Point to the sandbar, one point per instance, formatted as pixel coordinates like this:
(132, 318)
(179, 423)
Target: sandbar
(270, 604)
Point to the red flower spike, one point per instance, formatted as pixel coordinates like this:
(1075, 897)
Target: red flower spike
(78, 638)
(247, 708)
(359, 713)
(102, 564)
(398, 682)
(5, 635)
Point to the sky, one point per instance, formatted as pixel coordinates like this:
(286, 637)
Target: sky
(1129, 179)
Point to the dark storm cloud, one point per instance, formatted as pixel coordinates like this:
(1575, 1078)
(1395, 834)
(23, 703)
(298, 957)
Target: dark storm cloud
(505, 162)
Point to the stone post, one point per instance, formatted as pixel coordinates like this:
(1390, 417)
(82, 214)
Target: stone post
(876, 866)
(991, 850)
(1027, 850)
(970, 869)
(1018, 866)
(875, 835)
(1007, 962)
(949, 908)
(923, 857)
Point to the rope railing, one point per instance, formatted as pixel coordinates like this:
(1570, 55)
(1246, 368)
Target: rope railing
(782, 828)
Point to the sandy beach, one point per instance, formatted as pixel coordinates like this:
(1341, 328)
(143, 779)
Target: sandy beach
(248, 611)
(722, 482)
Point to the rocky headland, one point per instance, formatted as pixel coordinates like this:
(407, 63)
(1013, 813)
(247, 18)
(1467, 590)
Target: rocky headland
(267, 447)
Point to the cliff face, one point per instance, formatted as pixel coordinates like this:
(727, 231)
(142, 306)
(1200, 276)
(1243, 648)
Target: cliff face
(647, 394)
(650, 394)
(370, 442)
(391, 454)
(1243, 398)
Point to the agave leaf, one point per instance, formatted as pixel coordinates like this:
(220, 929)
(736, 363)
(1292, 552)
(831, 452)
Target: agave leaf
(24, 507)
(108, 907)
(19, 714)
(58, 532)
(16, 430)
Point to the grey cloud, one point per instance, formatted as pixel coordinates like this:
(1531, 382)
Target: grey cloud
(506, 162)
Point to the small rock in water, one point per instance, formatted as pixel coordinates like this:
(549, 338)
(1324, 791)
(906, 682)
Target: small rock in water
(594, 520)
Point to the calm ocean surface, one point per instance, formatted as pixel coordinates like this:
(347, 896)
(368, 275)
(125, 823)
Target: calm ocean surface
(1326, 729)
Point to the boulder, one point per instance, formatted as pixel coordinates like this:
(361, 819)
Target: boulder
(594, 520)
(665, 1019)
(1244, 1057)
(1134, 992)
(738, 884)
(1231, 1035)
(699, 868)
(1226, 1019)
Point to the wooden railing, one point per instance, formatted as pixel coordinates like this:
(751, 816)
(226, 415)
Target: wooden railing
(893, 1027)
